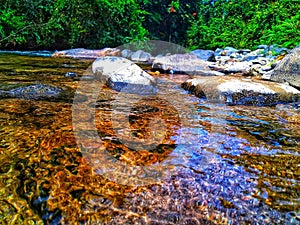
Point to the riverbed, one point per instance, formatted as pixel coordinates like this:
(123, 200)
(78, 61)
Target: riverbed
(167, 158)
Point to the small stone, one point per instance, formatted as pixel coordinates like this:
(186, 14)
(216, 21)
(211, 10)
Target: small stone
(126, 53)
(266, 68)
(264, 47)
(244, 51)
(231, 49)
(236, 55)
(260, 60)
(250, 57)
(159, 56)
(218, 51)
(71, 74)
(228, 51)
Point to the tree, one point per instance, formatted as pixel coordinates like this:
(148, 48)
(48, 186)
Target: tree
(245, 24)
(71, 23)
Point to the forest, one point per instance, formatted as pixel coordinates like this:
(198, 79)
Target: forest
(62, 24)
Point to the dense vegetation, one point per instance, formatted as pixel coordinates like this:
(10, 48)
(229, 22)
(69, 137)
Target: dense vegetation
(243, 23)
(61, 24)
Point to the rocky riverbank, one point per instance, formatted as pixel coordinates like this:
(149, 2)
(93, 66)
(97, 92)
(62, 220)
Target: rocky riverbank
(268, 75)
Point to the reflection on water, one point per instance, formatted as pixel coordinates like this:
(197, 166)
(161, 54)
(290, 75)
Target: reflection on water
(226, 165)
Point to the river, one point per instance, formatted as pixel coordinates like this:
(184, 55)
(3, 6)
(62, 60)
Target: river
(185, 160)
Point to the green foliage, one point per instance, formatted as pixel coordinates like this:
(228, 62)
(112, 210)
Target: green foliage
(61, 24)
(286, 32)
(168, 20)
(12, 27)
(245, 24)
(75, 23)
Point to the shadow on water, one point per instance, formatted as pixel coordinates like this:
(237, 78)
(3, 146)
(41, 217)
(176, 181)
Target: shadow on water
(225, 165)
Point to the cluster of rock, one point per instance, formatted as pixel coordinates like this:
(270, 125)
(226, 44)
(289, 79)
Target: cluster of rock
(258, 70)
(227, 60)
(230, 60)
(230, 75)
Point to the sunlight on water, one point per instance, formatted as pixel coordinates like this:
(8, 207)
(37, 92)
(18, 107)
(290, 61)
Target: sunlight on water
(214, 163)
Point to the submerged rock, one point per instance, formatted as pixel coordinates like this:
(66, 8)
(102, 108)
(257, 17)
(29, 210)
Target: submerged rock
(82, 53)
(241, 91)
(288, 69)
(33, 92)
(71, 74)
(123, 75)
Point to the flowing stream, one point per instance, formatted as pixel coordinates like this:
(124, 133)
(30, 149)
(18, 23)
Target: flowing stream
(169, 158)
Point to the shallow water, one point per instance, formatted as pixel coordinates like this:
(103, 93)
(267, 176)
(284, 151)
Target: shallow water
(170, 158)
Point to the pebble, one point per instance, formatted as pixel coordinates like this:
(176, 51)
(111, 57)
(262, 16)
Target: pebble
(71, 74)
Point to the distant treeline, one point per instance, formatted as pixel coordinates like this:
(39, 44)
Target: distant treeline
(62, 24)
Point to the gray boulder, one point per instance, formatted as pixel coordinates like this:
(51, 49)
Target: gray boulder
(238, 67)
(206, 55)
(241, 91)
(123, 75)
(288, 69)
(140, 56)
(188, 63)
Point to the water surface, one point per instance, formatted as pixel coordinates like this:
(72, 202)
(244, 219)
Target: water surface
(213, 164)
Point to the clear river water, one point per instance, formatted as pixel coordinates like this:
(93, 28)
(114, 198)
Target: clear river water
(205, 163)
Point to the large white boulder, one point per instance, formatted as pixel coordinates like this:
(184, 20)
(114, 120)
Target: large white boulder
(123, 75)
